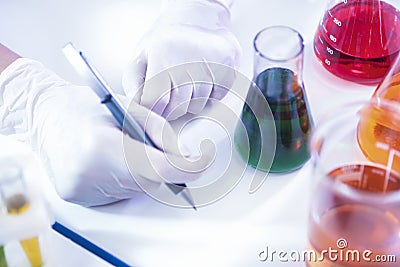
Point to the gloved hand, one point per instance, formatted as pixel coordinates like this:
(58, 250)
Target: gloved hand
(78, 139)
(186, 31)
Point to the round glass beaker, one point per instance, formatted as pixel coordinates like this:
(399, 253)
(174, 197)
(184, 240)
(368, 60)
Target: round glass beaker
(355, 207)
(358, 40)
(278, 68)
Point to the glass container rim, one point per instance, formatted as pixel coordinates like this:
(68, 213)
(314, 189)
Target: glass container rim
(350, 192)
(10, 171)
(263, 55)
(360, 196)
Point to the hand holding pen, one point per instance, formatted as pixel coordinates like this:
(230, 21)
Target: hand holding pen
(133, 127)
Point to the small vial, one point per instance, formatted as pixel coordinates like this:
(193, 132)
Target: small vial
(14, 196)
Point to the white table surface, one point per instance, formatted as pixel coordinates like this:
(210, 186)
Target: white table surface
(141, 231)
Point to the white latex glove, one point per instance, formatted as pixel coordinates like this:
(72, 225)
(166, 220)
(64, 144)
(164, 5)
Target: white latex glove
(78, 139)
(186, 31)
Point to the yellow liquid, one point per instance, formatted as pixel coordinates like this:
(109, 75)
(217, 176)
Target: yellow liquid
(379, 129)
(16, 205)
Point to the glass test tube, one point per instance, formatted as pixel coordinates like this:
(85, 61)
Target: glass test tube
(13, 195)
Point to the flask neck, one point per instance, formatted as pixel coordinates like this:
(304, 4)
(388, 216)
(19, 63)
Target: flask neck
(294, 65)
(279, 47)
(389, 88)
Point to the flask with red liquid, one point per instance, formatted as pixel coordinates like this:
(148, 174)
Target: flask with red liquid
(358, 40)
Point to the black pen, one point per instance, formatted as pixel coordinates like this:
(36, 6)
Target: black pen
(124, 119)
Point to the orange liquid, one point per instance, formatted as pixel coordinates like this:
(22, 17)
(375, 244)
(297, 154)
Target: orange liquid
(379, 129)
(363, 226)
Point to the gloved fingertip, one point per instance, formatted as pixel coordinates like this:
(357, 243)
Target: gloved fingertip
(184, 150)
(218, 92)
(197, 105)
(134, 76)
(174, 114)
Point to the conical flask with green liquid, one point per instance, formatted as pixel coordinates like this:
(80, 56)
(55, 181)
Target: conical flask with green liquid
(278, 67)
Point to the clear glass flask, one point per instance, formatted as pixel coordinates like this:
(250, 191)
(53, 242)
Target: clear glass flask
(278, 67)
(358, 40)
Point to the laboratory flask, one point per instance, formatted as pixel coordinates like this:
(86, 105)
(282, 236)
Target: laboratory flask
(278, 66)
(355, 204)
(379, 127)
(358, 40)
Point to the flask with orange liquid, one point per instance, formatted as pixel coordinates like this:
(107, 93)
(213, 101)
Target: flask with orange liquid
(354, 217)
(379, 126)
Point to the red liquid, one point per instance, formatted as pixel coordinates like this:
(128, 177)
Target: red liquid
(359, 40)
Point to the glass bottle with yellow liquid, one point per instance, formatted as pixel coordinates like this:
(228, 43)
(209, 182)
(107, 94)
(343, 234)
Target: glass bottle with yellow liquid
(18, 204)
(15, 201)
(379, 126)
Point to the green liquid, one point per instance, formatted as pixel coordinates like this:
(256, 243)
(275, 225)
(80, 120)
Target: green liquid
(3, 262)
(292, 121)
